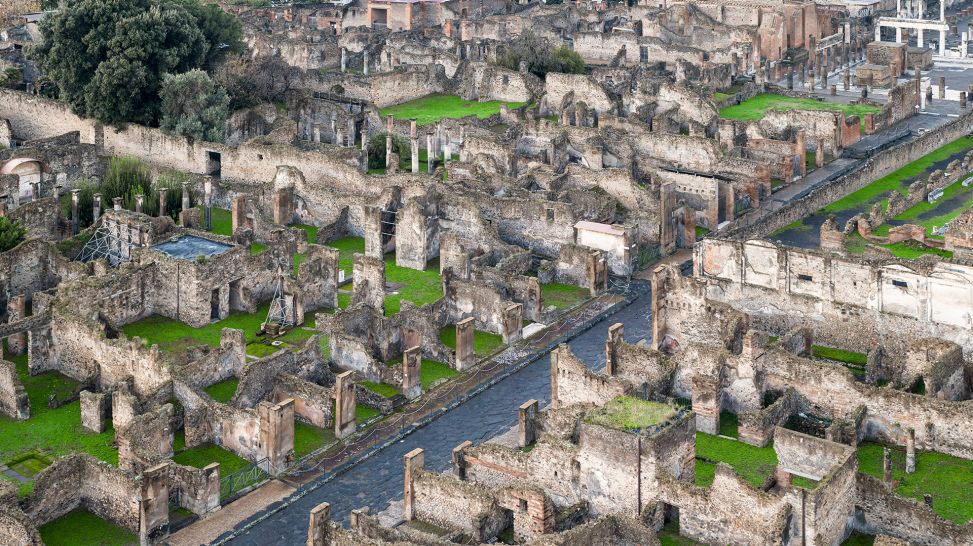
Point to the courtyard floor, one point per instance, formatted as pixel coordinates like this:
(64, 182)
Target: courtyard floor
(754, 108)
(432, 108)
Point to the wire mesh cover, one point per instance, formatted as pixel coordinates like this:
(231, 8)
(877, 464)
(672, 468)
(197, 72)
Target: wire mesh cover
(105, 243)
(280, 310)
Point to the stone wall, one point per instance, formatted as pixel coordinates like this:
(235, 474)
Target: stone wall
(77, 481)
(13, 397)
(885, 512)
(457, 505)
(875, 167)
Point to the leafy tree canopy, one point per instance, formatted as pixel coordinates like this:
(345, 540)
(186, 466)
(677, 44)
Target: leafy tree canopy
(540, 56)
(193, 106)
(108, 57)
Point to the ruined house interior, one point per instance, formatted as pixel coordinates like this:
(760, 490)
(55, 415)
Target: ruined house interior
(710, 284)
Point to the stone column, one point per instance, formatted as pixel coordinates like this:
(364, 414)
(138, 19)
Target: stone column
(162, 203)
(465, 357)
(365, 62)
(238, 213)
(334, 129)
(16, 310)
(208, 203)
(887, 467)
(344, 59)
(139, 199)
(96, 207)
(819, 154)
(964, 48)
(446, 157)
(942, 87)
(459, 461)
(317, 133)
(412, 461)
(117, 203)
(962, 99)
(414, 141)
(352, 132)
(919, 36)
(319, 531)
(526, 423)
(411, 366)
(35, 188)
(616, 334)
(185, 196)
(75, 213)
(910, 451)
(339, 137)
(364, 152)
(430, 153)
(344, 407)
(389, 123)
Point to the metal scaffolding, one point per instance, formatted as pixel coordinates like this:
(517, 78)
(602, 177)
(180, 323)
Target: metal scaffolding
(106, 243)
(281, 311)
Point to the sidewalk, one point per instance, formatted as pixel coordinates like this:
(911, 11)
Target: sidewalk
(222, 521)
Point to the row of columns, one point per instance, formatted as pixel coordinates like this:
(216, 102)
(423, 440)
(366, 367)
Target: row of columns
(438, 142)
(139, 203)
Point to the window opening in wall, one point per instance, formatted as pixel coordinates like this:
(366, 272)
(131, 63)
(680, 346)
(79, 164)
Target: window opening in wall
(900, 284)
(523, 505)
(802, 277)
(550, 215)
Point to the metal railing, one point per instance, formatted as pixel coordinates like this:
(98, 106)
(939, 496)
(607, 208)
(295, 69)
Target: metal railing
(243, 480)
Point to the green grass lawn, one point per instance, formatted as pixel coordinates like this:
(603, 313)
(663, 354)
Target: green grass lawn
(908, 250)
(896, 180)
(307, 438)
(202, 455)
(962, 195)
(432, 371)
(381, 389)
(562, 296)
(257, 248)
(222, 222)
(82, 528)
(347, 248)
(839, 355)
(419, 287)
(58, 430)
(627, 412)
(364, 412)
(729, 424)
(432, 108)
(948, 479)
(223, 391)
(176, 337)
(754, 109)
(484, 343)
(858, 539)
(753, 464)
(310, 231)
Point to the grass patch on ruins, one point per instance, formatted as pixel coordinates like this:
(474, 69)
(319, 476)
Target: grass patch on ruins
(175, 337)
(310, 231)
(222, 222)
(432, 108)
(895, 181)
(382, 389)
(307, 438)
(858, 539)
(948, 479)
(347, 248)
(563, 296)
(907, 250)
(257, 248)
(669, 536)
(57, 430)
(804, 483)
(419, 287)
(364, 412)
(484, 343)
(755, 108)
(627, 412)
(431, 371)
(839, 355)
(205, 454)
(82, 528)
(963, 197)
(223, 391)
(753, 464)
(729, 424)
